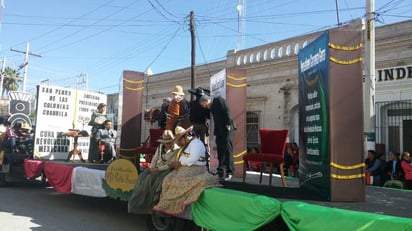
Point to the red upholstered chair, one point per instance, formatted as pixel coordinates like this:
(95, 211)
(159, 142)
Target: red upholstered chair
(150, 145)
(272, 149)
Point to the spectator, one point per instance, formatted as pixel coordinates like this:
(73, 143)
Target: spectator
(291, 160)
(407, 169)
(373, 167)
(253, 165)
(295, 157)
(383, 167)
(393, 167)
(11, 137)
(26, 140)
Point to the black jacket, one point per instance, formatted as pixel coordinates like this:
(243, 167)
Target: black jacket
(221, 116)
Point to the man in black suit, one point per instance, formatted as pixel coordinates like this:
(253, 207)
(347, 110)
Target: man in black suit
(198, 114)
(224, 131)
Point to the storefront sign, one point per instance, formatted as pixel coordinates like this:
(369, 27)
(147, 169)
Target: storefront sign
(394, 73)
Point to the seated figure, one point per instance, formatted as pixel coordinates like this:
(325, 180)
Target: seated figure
(189, 177)
(107, 138)
(150, 181)
(11, 137)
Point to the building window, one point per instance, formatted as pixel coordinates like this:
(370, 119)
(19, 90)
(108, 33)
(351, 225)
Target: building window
(265, 55)
(239, 60)
(296, 50)
(273, 53)
(288, 50)
(258, 56)
(394, 125)
(252, 128)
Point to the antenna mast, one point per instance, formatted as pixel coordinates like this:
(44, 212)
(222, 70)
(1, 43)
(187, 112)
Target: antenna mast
(241, 28)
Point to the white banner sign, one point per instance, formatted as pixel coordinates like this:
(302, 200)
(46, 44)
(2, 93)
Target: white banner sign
(60, 110)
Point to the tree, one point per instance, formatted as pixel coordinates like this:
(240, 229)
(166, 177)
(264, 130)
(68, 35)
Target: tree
(11, 80)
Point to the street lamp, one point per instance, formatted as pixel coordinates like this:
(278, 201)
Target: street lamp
(147, 74)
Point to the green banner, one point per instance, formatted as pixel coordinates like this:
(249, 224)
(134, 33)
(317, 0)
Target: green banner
(314, 172)
(231, 210)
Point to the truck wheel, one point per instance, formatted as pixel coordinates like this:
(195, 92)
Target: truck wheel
(160, 223)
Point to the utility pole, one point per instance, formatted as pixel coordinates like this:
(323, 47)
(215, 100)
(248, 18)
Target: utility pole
(82, 81)
(337, 12)
(3, 73)
(45, 82)
(192, 33)
(369, 79)
(26, 62)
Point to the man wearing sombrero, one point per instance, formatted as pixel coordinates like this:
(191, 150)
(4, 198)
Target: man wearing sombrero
(190, 177)
(150, 181)
(178, 110)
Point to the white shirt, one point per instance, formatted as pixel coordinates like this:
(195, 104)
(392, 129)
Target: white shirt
(192, 153)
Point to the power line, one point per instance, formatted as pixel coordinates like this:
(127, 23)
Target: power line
(90, 36)
(164, 48)
(161, 13)
(203, 55)
(68, 23)
(168, 12)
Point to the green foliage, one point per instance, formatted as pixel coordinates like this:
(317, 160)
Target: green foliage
(394, 184)
(116, 193)
(11, 80)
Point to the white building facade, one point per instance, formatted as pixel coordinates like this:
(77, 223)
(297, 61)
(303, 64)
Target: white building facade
(272, 92)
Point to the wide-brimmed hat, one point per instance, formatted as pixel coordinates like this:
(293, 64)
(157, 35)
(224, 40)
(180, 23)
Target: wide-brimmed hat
(199, 91)
(204, 98)
(167, 137)
(26, 126)
(180, 131)
(178, 90)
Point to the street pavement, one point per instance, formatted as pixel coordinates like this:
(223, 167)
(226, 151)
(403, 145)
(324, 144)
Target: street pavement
(28, 206)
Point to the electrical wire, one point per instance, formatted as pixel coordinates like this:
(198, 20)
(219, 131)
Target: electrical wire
(161, 13)
(164, 48)
(66, 24)
(203, 55)
(257, 16)
(167, 11)
(89, 36)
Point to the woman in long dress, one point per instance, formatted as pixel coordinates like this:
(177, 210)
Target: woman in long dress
(150, 181)
(184, 185)
(96, 121)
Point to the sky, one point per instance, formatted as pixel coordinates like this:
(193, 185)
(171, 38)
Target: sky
(98, 39)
